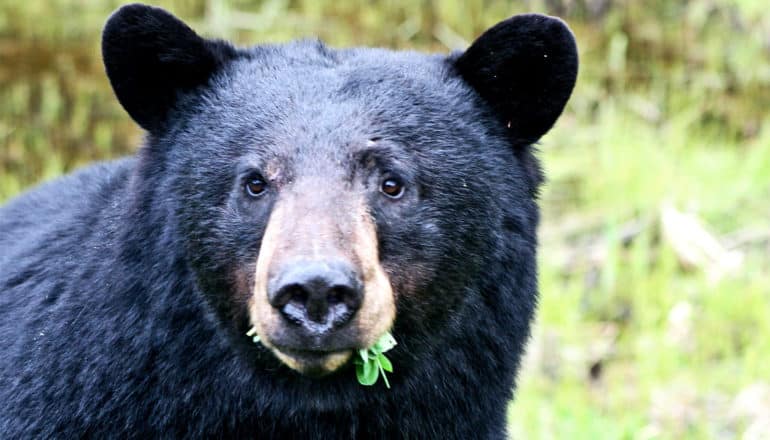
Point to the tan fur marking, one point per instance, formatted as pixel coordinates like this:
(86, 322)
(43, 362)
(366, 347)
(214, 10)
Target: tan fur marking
(331, 363)
(307, 229)
(376, 315)
(260, 311)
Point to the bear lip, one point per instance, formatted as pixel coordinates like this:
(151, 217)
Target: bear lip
(313, 363)
(309, 354)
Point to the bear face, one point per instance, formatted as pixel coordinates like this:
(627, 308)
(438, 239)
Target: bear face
(325, 196)
(322, 197)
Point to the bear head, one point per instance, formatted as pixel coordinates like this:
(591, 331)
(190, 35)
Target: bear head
(326, 197)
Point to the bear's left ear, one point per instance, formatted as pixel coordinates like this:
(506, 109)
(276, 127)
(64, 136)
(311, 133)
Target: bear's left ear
(150, 56)
(525, 68)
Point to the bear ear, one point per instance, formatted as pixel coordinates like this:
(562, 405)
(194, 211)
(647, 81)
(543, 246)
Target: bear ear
(150, 56)
(525, 68)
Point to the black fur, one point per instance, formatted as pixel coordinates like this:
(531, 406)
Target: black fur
(150, 56)
(117, 310)
(525, 67)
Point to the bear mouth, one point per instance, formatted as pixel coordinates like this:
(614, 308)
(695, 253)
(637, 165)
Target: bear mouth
(313, 363)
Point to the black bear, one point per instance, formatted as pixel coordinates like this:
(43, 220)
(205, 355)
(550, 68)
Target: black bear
(322, 197)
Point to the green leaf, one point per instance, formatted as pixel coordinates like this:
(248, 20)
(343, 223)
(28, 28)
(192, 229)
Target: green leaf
(385, 363)
(368, 368)
(374, 372)
(385, 343)
(367, 373)
(371, 362)
(360, 373)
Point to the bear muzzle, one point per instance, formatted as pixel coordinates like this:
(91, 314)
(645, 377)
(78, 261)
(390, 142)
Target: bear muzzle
(320, 291)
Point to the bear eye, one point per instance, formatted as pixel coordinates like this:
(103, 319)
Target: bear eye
(255, 186)
(392, 187)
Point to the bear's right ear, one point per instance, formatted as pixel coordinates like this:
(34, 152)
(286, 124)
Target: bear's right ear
(150, 56)
(525, 68)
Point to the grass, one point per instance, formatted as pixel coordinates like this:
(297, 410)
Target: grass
(670, 349)
(668, 112)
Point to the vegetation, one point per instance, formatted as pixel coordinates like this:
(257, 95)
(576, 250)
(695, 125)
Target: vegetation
(372, 362)
(655, 313)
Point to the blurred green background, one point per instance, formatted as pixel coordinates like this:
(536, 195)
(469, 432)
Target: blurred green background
(655, 313)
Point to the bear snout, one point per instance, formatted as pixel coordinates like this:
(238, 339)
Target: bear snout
(320, 291)
(316, 297)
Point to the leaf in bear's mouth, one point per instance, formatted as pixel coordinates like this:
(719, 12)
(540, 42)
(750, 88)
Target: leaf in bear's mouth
(370, 363)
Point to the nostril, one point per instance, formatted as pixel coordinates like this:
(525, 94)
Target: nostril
(345, 295)
(291, 301)
(292, 293)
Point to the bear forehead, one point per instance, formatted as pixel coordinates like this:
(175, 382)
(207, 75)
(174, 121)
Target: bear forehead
(315, 55)
(303, 98)
(307, 75)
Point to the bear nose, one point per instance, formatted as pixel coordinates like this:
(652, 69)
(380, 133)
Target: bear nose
(317, 295)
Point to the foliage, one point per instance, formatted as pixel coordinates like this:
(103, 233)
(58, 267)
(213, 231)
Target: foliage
(372, 362)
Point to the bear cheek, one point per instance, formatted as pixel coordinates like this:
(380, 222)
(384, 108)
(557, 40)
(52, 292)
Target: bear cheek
(242, 280)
